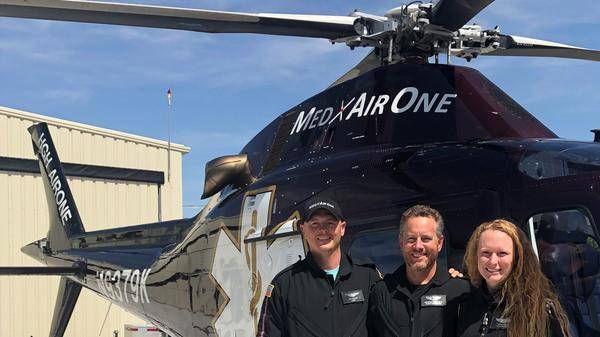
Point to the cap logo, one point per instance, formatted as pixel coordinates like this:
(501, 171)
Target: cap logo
(321, 203)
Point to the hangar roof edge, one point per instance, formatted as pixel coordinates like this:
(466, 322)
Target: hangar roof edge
(92, 129)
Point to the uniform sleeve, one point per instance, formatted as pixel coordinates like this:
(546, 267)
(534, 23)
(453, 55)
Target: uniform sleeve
(373, 320)
(465, 290)
(374, 277)
(554, 328)
(271, 322)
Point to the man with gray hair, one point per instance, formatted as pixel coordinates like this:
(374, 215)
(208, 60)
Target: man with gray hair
(418, 299)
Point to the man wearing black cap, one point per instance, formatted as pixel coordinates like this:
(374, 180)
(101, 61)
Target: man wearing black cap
(327, 293)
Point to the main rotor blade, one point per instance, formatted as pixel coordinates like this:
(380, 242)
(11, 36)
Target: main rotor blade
(370, 62)
(453, 14)
(512, 45)
(317, 26)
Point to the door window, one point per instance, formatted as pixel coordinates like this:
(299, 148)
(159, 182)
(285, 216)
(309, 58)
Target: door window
(569, 254)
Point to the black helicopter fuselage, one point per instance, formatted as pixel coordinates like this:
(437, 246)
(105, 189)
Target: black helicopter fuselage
(397, 136)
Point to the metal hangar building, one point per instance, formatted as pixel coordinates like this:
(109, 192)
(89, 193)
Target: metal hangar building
(117, 179)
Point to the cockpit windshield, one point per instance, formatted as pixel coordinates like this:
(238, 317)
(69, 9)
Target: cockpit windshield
(548, 159)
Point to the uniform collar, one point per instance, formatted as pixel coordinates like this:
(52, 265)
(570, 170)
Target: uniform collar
(439, 278)
(345, 264)
(492, 297)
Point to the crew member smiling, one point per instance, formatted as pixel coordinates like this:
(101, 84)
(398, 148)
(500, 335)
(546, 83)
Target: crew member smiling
(327, 293)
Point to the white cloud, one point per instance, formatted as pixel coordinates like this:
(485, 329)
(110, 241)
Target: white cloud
(39, 50)
(215, 141)
(529, 17)
(68, 96)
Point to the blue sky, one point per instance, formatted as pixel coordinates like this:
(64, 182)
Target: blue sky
(227, 87)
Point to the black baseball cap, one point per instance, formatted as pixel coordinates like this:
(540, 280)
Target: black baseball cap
(321, 203)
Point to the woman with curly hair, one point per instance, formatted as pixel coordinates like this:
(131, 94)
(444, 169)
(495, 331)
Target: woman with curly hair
(511, 295)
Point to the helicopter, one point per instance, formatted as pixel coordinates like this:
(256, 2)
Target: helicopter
(394, 131)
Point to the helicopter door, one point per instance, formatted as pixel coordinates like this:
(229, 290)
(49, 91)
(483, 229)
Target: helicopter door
(569, 253)
(275, 250)
(230, 277)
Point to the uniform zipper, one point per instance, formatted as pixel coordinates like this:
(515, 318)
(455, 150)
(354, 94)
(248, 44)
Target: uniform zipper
(331, 283)
(412, 316)
(485, 326)
(328, 303)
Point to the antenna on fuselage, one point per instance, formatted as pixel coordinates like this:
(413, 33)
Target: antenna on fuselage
(169, 110)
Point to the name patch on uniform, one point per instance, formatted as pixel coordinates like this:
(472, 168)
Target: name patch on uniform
(352, 296)
(433, 301)
(500, 323)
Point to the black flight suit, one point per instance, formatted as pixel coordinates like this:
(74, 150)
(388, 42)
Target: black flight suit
(400, 309)
(480, 315)
(305, 301)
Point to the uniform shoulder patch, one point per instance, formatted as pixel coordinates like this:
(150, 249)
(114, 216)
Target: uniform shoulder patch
(270, 290)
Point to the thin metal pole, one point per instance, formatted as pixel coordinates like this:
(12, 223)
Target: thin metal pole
(159, 203)
(105, 317)
(169, 99)
(391, 50)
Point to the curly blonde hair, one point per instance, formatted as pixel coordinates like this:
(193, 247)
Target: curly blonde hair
(526, 292)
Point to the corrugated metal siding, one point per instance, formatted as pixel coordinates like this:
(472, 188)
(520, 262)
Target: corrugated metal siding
(27, 303)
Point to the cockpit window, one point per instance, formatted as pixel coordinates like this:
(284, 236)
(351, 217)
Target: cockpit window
(569, 255)
(381, 247)
(548, 159)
